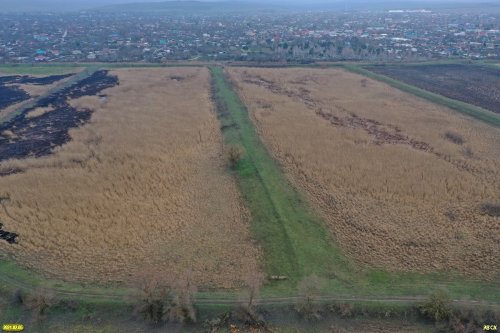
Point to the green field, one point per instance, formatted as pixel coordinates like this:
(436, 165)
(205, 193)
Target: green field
(28, 69)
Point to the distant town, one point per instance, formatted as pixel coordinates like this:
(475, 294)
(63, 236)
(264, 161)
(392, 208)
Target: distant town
(390, 35)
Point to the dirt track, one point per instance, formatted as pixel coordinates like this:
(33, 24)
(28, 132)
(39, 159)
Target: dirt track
(17, 284)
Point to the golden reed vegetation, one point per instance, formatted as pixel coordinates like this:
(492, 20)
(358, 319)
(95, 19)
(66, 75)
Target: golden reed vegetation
(399, 180)
(142, 188)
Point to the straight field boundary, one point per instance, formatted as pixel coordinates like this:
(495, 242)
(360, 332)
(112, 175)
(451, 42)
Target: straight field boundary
(472, 111)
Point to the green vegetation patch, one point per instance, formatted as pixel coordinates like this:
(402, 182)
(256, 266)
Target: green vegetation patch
(29, 69)
(295, 242)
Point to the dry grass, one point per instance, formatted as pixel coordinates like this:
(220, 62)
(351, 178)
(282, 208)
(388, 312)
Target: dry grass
(38, 90)
(143, 187)
(37, 112)
(376, 162)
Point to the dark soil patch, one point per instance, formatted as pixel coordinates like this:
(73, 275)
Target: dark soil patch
(177, 78)
(454, 137)
(10, 237)
(9, 171)
(475, 85)
(38, 136)
(301, 94)
(491, 209)
(382, 133)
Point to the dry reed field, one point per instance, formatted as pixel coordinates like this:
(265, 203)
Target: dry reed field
(141, 189)
(401, 182)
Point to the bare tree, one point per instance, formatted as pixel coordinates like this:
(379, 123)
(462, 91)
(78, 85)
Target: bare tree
(245, 311)
(39, 303)
(181, 308)
(151, 299)
(254, 283)
(309, 289)
(234, 154)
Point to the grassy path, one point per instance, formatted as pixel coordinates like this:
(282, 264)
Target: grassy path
(294, 241)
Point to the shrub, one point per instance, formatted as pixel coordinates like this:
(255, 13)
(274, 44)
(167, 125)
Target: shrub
(245, 311)
(151, 300)
(234, 154)
(19, 297)
(181, 308)
(70, 304)
(309, 289)
(437, 307)
(344, 310)
(40, 303)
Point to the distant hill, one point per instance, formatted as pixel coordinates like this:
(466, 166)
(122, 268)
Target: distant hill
(230, 6)
(192, 7)
(262, 6)
(7, 6)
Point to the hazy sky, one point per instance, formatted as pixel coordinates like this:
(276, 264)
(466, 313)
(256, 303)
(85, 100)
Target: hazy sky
(57, 5)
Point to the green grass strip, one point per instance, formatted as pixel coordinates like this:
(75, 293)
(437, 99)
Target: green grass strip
(294, 240)
(38, 69)
(475, 112)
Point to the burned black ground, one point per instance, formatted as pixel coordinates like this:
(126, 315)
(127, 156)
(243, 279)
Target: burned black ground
(476, 85)
(8, 236)
(38, 136)
(10, 93)
(38, 81)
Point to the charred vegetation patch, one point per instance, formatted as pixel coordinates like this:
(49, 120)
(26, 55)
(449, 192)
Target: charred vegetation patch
(456, 138)
(9, 237)
(37, 81)
(471, 84)
(177, 78)
(12, 95)
(382, 133)
(37, 136)
(491, 209)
